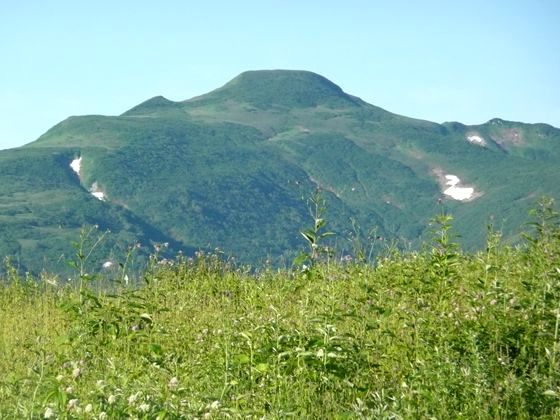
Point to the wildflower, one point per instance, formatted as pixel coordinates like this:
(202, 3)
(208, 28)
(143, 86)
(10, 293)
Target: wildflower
(100, 383)
(173, 383)
(132, 399)
(88, 409)
(76, 372)
(69, 390)
(144, 407)
(215, 405)
(102, 416)
(112, 399)
(49, 412)
(60, 378)
(73, 403)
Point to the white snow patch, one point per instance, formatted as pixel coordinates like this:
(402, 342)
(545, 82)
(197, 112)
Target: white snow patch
(455, 192)
(96, 192)
(76, 165)
(99, 195)
(476, 139)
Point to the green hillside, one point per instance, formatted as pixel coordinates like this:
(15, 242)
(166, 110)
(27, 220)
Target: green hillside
(229, 169)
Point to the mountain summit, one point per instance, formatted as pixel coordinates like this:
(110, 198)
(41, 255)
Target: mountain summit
(229, 169)
(285, 88)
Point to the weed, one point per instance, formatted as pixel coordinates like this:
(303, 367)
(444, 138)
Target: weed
(315, 235)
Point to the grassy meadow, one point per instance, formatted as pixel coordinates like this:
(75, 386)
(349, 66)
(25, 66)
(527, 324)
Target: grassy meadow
(437, 333)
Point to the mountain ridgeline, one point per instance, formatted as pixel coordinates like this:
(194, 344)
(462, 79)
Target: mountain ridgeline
(229, 169)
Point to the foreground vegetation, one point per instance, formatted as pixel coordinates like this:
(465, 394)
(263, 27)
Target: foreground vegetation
(433, 334)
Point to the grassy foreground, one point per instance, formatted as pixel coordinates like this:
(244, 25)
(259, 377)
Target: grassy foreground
(431, 334)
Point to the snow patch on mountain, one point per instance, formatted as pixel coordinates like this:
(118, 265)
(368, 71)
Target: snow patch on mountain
(453, 187)
(96, 192)
(476, 139)
(76, 165)
(456, 192)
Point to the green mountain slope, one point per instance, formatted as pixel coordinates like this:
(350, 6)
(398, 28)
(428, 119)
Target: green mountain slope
(228, 169)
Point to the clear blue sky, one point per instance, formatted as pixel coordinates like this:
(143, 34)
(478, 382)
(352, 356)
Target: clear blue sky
(445, 60)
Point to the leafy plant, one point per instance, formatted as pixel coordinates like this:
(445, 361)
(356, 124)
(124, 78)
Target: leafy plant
(444, 256)
(315, 235)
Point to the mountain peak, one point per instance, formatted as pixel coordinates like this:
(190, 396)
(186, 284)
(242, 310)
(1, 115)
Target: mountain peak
(286, 88)
(152, 105)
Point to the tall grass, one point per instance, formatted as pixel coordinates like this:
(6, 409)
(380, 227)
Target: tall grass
(432, 334)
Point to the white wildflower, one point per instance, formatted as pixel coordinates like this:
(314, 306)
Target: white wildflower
(76, 372)
(69, 390)
(132, 399)
(144, 407)
(73, 403)
(103, 416)
(112, 399)
(49, 412)
(173, 383)
(215, 405)
(88, 408)
(60, 378)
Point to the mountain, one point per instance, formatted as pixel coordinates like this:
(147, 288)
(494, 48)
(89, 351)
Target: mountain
(229, 169)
